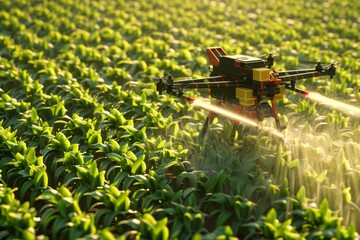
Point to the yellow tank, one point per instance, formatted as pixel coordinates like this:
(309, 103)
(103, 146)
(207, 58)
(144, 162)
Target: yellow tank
(280, 95)
(245, 96)
(261, 74)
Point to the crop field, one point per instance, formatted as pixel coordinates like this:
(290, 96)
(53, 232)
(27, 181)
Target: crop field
(90, 150)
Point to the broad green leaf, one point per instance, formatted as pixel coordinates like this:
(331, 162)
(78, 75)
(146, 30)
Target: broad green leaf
(301, 196)
(95, 138)
(64, 192)
(114, 144)
(149, 220)
(34, 115)
(41, 178)
(131, 155)
(30, 155)
(161, 230)
(324, 209)
(93, 169)
(123, 202)
(62, 140)
(271, 216)
(139, 166)
(223, 217)
(28, 234)
(322, 176)
(25, 188)
(197, 236)
(347, 193)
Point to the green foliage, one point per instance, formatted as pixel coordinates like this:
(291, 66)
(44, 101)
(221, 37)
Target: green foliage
(27, 172)
(17, 220)
(62, 214)
(89, 149)
(146, 227)
(111, 205)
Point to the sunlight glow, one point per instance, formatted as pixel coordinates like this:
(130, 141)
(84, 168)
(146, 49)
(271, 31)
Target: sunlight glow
(337, 105)
(234, 116)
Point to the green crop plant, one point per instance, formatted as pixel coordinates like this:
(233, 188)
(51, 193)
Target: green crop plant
(62, 214)
(11, 109)
(82, 131)
(274, 229)
(185, 221)
(38, 133)
(146, 227)
(65, 162)
(336, 120)
(111, 205)
(89, 149)
(17, 220)
(26, 171)
(88, 178)
(313, 221)
(231, 210)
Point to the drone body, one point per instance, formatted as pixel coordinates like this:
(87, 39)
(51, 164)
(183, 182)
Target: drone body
(247, 81)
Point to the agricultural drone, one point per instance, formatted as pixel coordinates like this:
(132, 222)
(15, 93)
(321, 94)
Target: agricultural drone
(249, 82)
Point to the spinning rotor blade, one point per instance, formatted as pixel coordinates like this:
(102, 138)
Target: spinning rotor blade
(266, 55)
(309, 61)
(269, 58)
(320, 63)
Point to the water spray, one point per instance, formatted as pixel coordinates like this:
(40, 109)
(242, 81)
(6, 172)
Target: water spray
(231, 115)
(337, 105)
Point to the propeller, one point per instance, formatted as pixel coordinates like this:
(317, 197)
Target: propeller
(165, 84)
(309, 62)
(317, 62)
(269, 58)
(160, 85)
(272, 53)
(332, 70)
(320, 66)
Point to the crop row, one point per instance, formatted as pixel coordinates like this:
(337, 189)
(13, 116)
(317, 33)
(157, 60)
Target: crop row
(118, 198)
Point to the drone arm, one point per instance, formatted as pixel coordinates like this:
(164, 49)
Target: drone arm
(290, 80)
(290, 77)
(215, 84)
(199, 80)
(319, 70)
(176, 87)
(300, 76)
(292, 72)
